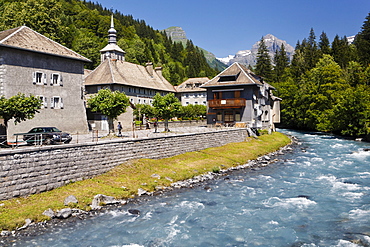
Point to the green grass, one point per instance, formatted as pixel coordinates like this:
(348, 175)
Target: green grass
(124, 180)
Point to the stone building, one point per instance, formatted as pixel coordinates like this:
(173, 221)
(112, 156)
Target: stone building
(139, 83)
(190, 93)
(31, 63)
(238, 96)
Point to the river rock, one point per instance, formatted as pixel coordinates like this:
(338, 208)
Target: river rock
(134, 211)
(50, 213)
(142, 192)
(102, 199)
(70, 199)
(28, 222)
(156, 176)
(63, 213)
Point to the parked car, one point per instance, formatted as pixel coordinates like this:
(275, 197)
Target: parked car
(46, 135)
(3, 141)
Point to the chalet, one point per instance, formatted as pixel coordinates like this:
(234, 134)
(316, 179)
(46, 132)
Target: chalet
(31, 63)
(139, 83)
(238, 96)
(190, 93)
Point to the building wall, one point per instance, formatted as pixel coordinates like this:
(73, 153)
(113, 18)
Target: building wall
(37, 169)
(193, 98)
(17, 71)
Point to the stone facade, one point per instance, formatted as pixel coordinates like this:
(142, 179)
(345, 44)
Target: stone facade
(30, 63)
(34, 170)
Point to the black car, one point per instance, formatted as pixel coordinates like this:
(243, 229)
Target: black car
(46, 135)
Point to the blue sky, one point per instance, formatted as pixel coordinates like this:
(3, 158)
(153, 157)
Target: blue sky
(225, 27)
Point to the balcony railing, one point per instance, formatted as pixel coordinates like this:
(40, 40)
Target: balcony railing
(226, 103)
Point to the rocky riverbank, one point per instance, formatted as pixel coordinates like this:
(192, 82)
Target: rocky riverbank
(69, 215)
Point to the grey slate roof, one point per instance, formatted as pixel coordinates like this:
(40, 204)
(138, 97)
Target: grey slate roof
(129, 74)
(235, 74)
(27, 39)
(190, 85)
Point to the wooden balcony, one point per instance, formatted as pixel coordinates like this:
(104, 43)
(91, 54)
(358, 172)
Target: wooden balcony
(226, 103)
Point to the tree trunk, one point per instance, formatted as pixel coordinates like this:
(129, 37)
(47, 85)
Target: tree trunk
(166, 129)
(110, 125)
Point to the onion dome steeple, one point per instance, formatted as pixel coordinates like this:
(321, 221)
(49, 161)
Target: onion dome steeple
(112, 50)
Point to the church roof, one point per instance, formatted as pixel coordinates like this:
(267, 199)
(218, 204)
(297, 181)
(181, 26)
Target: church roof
(25, 38)
(129, 74)
(235, 74)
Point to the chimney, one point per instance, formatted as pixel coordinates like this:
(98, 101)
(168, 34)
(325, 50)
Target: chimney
(149, 68)
(158, 70)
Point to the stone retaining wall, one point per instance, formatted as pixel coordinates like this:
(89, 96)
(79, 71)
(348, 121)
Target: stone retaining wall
(36, 169)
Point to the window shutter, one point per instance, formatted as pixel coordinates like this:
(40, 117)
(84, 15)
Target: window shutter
(60, 80)
(61, 103)
(51, 79)
(45, 82)
(52, 102)
(34, 77)
(45, 102)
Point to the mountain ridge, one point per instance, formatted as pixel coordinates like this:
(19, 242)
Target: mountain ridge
(246, 57)
(249, 57)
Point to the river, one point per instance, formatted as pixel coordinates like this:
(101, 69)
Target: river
(317, 195)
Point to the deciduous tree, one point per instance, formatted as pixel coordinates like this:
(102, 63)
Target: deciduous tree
(167, 107)
(19, 107)
(110, 104)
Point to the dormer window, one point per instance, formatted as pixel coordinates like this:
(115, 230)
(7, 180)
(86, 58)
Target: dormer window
(228, 78)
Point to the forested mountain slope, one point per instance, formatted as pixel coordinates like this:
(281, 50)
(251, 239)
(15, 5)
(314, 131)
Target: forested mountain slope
(83, 27)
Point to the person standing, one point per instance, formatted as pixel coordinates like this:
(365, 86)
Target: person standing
(119, 128)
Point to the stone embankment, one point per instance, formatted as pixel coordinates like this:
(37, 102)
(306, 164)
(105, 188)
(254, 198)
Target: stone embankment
(33, 170)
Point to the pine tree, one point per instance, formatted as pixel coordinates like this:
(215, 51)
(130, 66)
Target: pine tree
(311, 51)
(341, 51)
(362, 42)
(263, 65)
(324, 44)
(281, 62)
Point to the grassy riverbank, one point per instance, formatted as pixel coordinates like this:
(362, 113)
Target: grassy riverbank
(125, 180)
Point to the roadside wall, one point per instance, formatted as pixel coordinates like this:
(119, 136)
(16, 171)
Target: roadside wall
(36, 169)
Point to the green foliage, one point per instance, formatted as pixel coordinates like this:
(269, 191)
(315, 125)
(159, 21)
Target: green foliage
(19, 107)
(141, 109)
(108, 103)
(362, 42)
(166, 107)
(192, 112)
(327, 88)
(281, 61)
(263, 65)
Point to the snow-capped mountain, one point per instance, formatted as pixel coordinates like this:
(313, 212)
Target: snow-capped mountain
(249, 57)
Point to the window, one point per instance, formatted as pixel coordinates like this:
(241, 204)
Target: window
(219, 116)
(55, 79)
(44, 102)
(39, 78)
(237, 116)
(217, 95)
(237, 94)
(56, 102)
(229, 116)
